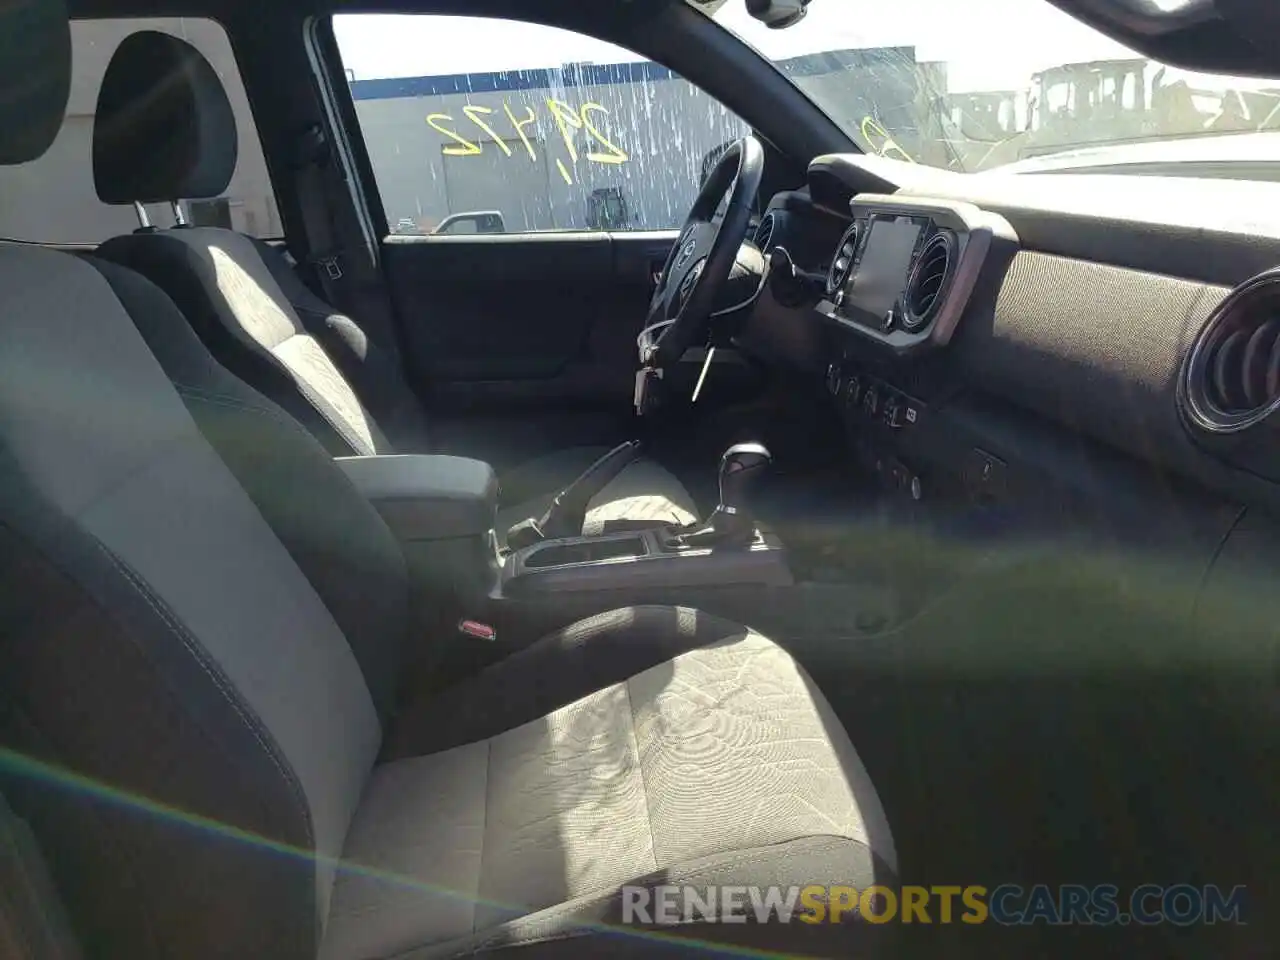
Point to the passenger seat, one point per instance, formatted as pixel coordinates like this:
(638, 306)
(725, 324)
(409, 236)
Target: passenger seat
(164, 131)
(206, 743)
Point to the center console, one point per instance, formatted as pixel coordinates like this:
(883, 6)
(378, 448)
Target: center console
(442, 511)
(641, 562)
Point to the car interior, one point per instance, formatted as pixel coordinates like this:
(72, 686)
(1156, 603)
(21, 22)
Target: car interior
(377, 592)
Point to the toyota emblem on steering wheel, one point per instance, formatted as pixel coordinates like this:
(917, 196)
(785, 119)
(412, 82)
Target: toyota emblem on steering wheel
(686, 252)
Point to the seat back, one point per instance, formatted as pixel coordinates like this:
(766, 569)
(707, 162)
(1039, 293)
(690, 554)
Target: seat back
(183, 722)
(164, 131)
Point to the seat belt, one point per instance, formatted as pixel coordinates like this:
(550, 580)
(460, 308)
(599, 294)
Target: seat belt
(345, 277)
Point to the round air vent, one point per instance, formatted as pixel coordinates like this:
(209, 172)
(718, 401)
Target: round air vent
(764, 232)
(928, 281)
(841, 266)
(1231, 377)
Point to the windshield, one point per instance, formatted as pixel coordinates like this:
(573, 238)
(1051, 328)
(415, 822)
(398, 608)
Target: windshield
(976, 84)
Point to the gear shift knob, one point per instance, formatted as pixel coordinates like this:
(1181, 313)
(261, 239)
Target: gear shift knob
(731, 523)
(740, 467)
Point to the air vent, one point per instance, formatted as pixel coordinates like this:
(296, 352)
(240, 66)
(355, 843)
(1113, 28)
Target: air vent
(1231, 379)
(764, 233)
(842, 265)
(927, 284)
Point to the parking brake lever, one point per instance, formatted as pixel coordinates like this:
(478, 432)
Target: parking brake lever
(568, 511)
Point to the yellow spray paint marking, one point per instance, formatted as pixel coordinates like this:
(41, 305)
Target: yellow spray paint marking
(871, 130)
(471, 112)
(614, 155)
(519, 126)
(464, 148)
(568, 119)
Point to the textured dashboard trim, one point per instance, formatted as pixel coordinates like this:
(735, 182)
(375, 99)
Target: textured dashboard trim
(1095, 347)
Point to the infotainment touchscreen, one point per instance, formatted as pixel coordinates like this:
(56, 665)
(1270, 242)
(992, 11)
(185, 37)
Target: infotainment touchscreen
(881, 273)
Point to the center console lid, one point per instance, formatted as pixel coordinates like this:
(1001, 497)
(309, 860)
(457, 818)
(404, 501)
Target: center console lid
(427, 497)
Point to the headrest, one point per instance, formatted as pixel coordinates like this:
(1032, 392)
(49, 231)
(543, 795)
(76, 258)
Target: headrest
(35, 76)
(164, 129)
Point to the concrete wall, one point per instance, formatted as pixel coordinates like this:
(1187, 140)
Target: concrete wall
(52, 199)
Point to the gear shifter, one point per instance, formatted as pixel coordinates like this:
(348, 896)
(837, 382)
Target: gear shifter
(732, 524)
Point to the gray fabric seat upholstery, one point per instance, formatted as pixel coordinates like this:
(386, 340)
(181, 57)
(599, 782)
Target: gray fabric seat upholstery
(717, 755)
(33, 921)
(201, 637)
(164, 131)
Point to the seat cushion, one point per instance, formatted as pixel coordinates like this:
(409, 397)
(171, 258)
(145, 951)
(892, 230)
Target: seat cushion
(643, 495)
(721, 760)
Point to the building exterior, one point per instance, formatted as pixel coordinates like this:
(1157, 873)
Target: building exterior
(584, 146)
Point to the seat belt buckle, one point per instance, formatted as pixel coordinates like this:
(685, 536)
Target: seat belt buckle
(477, 630)
(332, 269)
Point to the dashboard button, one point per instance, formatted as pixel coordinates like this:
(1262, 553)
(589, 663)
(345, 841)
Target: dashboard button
(833, 379)
(852, 391)
(892, 412)
(871, 400)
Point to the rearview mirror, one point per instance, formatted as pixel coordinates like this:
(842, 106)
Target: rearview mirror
(778, 14)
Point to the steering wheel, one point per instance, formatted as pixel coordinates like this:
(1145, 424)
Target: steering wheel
(703, 257)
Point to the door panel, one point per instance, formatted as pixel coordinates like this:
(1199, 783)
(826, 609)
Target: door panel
(590, 163)
(534, 319)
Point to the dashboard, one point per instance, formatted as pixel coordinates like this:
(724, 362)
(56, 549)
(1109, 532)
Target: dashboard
(991, 338)
(1077, 442)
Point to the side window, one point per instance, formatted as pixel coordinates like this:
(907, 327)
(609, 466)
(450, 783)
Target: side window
(52, 199)
(477, 125)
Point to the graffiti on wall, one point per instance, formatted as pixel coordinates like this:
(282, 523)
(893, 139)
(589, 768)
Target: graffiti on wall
(569, 120)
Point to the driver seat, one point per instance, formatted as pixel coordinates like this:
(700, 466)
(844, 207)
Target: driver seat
(164, 130)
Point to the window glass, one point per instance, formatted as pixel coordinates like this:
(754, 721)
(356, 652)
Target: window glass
(478, 125)
(52, 199)
(973, 85)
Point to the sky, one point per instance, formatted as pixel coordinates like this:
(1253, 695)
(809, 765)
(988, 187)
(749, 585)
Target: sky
(987, 44)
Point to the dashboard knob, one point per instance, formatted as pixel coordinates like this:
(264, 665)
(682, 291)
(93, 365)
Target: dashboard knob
(852, 391)
(871, 400)
(833, 379)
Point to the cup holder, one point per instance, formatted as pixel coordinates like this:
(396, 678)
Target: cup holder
(585, 551)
